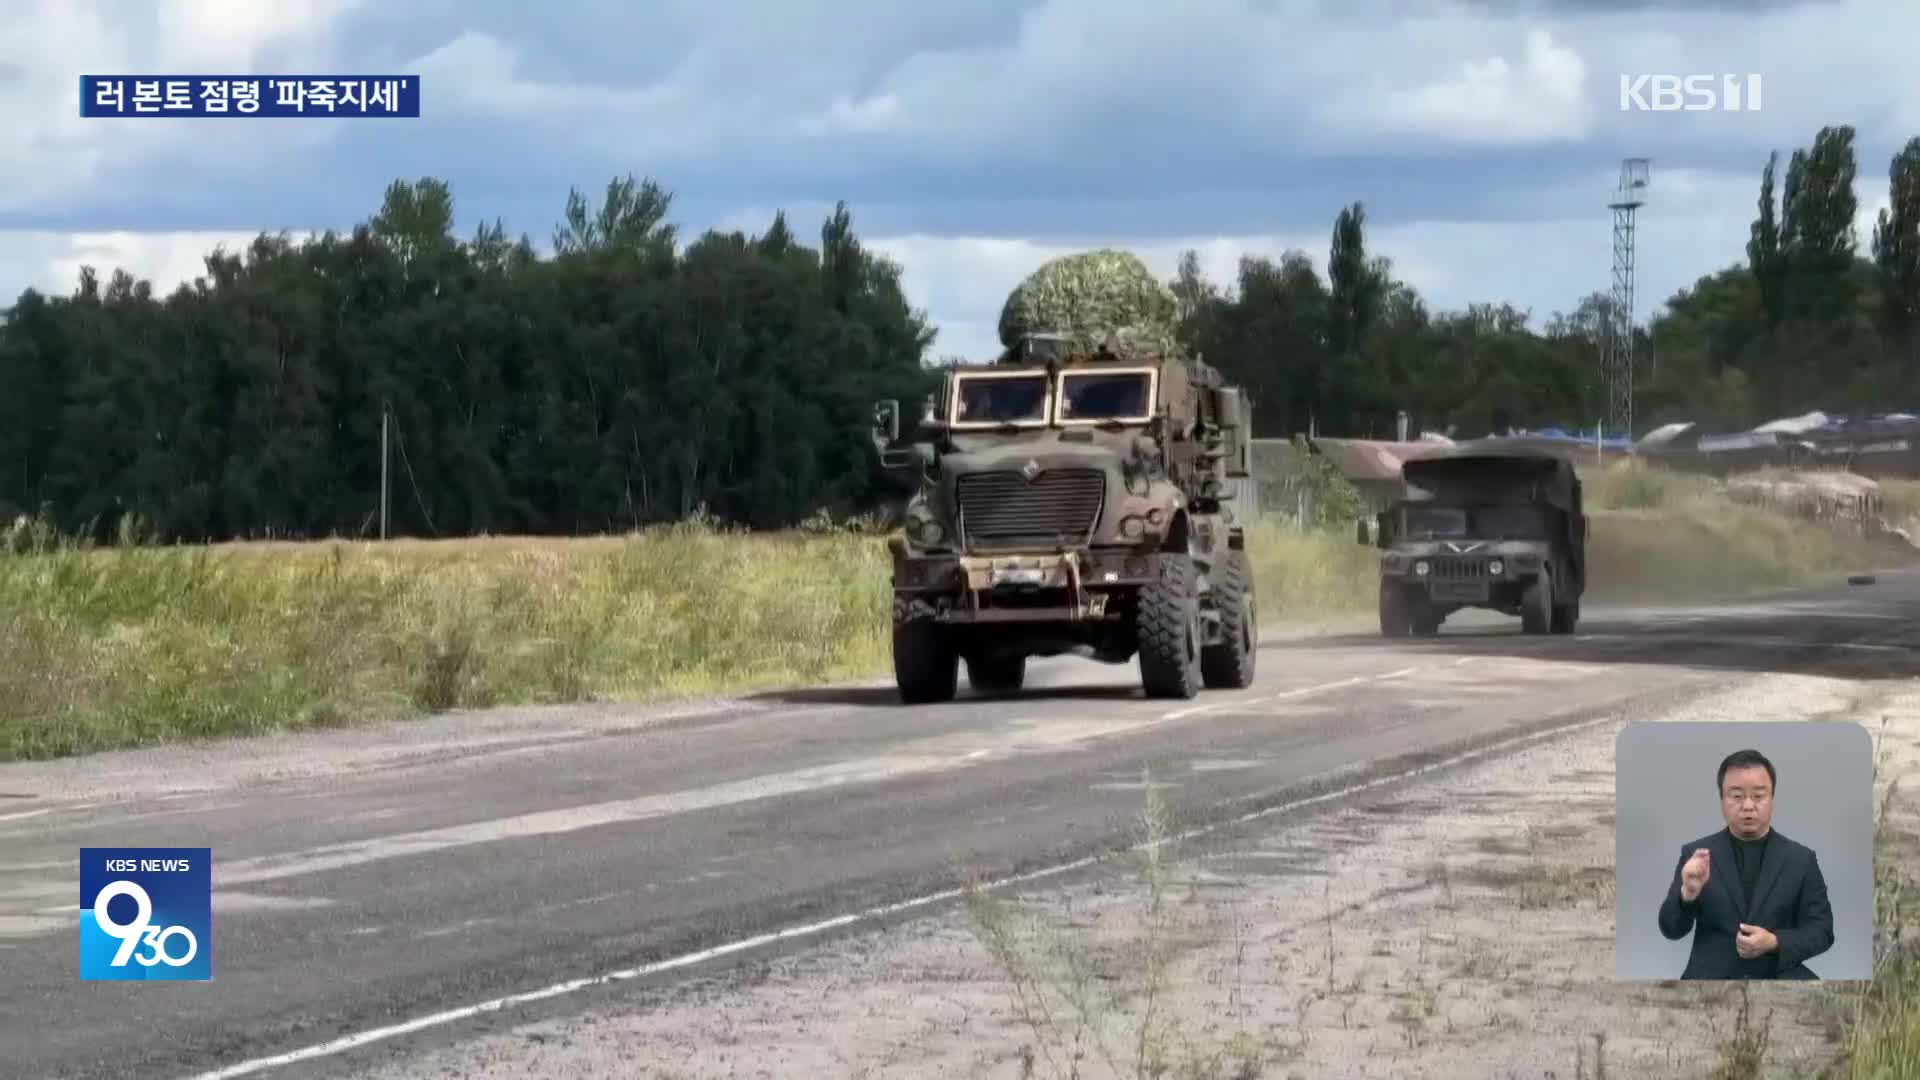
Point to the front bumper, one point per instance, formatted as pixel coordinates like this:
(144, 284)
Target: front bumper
(1068, 586)
(1460, 579)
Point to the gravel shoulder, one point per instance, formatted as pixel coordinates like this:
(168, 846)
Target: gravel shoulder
(1455, 926)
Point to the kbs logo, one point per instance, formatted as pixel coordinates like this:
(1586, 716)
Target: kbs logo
(146, 913)
(1689, 93)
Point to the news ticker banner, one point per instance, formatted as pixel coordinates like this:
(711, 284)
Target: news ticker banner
(103, 96)
(146, 913)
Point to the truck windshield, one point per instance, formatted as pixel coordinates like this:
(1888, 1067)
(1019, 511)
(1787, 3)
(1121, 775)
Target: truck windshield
(1479, 522)
(1428, 523)
(1000, 399)
(1509, 523)
(1102, 395)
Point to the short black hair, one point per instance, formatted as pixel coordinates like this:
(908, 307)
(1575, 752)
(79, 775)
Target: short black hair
(1741, 759)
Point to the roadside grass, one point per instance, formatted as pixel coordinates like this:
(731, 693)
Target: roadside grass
(1879, 1022)
(126, 646)
(1659, 533)
(1108, 1006)
(1900, 504)
(130, 644)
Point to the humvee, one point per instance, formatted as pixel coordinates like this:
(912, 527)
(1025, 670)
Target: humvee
(1072, 501)
(1497, 529)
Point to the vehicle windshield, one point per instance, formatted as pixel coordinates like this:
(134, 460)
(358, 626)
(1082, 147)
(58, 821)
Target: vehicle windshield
(1509, 523)
(983, 399)
(1480, 523)
(1105, 396)
(1430, 523)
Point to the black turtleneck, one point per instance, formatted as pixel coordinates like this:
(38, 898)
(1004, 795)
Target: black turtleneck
(1747, 855)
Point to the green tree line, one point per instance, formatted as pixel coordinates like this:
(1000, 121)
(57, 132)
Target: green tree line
(1810, 320)
(623, 380)
(629, 378)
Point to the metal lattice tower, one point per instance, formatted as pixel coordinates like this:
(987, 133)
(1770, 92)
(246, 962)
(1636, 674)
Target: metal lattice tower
(1616, 356)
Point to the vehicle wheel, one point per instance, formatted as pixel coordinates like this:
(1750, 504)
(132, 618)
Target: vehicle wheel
(1395, 619)
(1536, 605)
(1001, 674)
(1168, 627)
(1229, 665)
(926, 667)
(1426, 623)
(1566, 617)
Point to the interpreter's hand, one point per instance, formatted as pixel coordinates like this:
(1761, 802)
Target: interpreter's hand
(1755, 941)
(1693, 876)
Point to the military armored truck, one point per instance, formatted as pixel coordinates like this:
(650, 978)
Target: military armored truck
(1501, 530)
(1071, 500)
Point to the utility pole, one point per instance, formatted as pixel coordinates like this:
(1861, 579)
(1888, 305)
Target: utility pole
(385, 412)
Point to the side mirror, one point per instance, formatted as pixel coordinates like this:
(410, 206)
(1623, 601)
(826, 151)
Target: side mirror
(886, 420)
(1363, 532)
(1230, 408)
(886, 434)
(1230, 413)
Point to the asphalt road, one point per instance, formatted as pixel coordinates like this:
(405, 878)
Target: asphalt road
(367, 878)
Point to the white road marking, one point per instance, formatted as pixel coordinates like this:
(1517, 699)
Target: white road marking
(26, 926)
(1734, 641)
(23, 867)
(1208, 765)
(373, 1035)
(1303, 691)
(228, 902)
(930, 756)
(23, 815)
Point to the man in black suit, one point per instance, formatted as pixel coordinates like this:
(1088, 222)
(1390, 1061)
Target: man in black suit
(1755, 900)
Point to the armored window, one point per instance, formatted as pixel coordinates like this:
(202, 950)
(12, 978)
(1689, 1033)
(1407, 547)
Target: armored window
(1509, 523)
(993, 400)
(1429, 523)
(1091, 396)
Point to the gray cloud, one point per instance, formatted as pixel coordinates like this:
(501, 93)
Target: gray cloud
(1483, 136)
(1653, 8)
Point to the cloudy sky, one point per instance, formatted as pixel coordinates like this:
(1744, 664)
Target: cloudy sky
(971, 142)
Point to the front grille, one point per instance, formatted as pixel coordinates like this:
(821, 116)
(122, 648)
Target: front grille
(1458, 569)
(1005, 510)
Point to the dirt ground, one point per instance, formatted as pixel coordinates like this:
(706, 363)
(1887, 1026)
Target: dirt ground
(1459, 926)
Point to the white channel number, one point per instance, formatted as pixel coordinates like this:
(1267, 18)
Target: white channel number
(138, 932)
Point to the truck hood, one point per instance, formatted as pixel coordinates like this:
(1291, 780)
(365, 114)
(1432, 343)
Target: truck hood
(1506, 549)
(1042, 453)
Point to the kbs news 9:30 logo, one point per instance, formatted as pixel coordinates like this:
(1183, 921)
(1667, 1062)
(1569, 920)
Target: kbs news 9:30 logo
(146, 913)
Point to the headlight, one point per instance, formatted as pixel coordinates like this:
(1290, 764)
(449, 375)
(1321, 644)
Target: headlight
(1496, 567)
(1421, 568)
(1132, 527)
(928, 531)
(1155, 516)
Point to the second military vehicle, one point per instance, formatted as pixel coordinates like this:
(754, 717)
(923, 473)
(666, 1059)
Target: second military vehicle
(1496, 529)
(1072, 500)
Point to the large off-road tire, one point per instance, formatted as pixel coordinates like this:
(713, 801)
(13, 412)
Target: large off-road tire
(997, 674)
(1426, 621)
(1566, 616)
(1536, 605)
(926, 666)
(1229, 665)
(1396, 616)
(1168, 627)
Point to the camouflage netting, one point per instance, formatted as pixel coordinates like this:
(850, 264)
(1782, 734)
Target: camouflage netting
(1103, 296)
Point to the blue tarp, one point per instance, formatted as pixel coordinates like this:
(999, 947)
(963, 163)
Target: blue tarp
(1561, 435)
